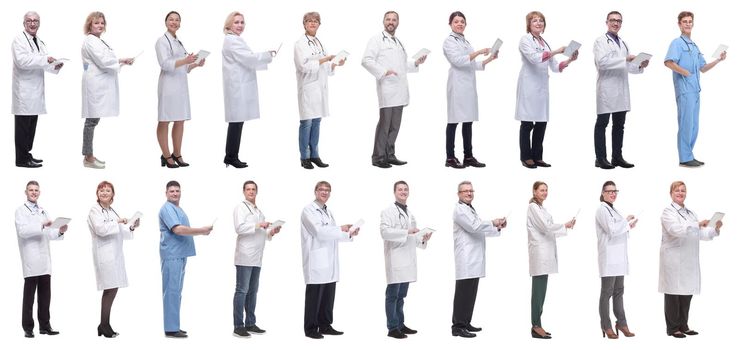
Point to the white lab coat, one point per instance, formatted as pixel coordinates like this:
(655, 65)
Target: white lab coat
(250, 239)
(100, 79)
(107, 247)
(319, 237)
(241, 99)
(33, 239)
(541, 233)
(399, 247)
(679, 251)
(312, 78)
(533, 86)
(612, 232)
(612, 85)
(382, 54)
(29, 64)
(462, 91)
(469, 233)
(173, 96)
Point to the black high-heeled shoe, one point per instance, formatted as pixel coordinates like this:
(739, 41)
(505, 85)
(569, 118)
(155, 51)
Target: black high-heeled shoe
(179, 161)
(106, 331)
(164, 162)
(236, 163)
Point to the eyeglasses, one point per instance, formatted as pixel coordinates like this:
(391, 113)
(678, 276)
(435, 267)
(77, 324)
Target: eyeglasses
(615, 20)
(324, 190)
(313, 21)
(29, 21)
(612, 191)
(466, 191)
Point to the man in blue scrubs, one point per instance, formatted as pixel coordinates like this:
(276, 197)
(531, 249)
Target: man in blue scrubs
(175, 246)
(687, 62)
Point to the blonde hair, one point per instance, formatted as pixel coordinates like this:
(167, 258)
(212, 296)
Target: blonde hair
(311, 15)
(230, 20)
(675, 185)
(92, 17)
(534, 14)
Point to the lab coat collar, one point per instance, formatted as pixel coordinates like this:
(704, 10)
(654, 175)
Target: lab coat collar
(320, 206)
(459, 36)
(250, 204)
(389, 35)
(470, 205)
(33, 206)
(403, 207)
(169, 35)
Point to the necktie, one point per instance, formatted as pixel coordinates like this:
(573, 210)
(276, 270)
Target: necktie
(35, 41)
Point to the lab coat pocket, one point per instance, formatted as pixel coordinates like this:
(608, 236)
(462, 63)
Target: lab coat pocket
(616, 254)
(318, 259)
(106, 252)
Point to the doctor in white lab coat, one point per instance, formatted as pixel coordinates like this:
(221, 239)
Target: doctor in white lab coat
(33, 226)
(400, 241)
(108, 230)
(99, 83)
(320, 236)
(533, 89)
(680, 275)
(385, 58)
(173, 96)
(612, 232)
(613, 62)
(251, 233)
(462, 90)
(30, 61)
(241, 99)
(542, 232)
(312, 70)
(469, 233)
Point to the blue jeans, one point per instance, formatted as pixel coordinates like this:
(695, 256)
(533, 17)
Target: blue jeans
(245, 295)
(173, 275)
(394, 295)
(308, 138)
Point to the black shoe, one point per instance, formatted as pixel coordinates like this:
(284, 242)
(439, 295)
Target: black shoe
(691, 332)
(603, 164)
(691, 164)
(538, 336)
(183, 332)
(314, 335)
(236, 163)
(180, 162)
(529, 166)
(163, 162)
(396, 161)
(106, 331)
(454, 163)
(407, 330)
(29, 333)
(397, 334)
(542, 163)
(306, 164)
(35, 160)
(48, 331)
(462, 332)
(696, 160)
(318, 162)
(329, 330)
(382, 164)
(241, 332)
(677, 334)
(28, 164)
(620, 162)
(256, 330)
(471, 161)
(178, 334)
(471, 328)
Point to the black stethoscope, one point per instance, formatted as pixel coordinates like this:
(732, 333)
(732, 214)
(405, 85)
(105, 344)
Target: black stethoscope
(609, 39)
(688, 45)
(41, 211)
(107, 213)
(403, 219)
(324, 212)
(395, 41)
(679, 211)
(458, 39)
(609, 210)
(314, 47)
(38, 48)
(539, 47)
(178, 41)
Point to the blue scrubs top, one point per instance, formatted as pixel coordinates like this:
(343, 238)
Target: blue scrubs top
(171, 245)
(684, 52)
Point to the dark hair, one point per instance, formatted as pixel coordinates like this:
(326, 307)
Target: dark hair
(170, 13)
(536, 185)
(173, 183)
(399, 182)
(389, 12)
(249, 182)
(457, 14)
(613, 13)
(601, 196)
(318, 184)
(685, 14)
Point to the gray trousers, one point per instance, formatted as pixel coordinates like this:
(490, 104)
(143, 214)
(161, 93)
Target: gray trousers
(612, 288)
(88, 131)
(386, 132)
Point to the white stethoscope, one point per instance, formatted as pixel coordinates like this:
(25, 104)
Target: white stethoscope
(172, 52)
(402, 218)
(609, 39)
(317, 49)
(38, 47)
(395, 40)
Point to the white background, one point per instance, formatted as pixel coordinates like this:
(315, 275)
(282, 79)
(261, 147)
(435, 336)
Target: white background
(128, 144)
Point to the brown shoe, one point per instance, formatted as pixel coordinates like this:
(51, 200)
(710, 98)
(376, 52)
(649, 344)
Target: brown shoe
(609, 333)
(625, 330)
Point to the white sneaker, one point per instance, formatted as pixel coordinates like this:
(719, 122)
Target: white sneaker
(95, 164)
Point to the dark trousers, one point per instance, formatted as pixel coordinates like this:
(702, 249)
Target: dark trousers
(467, 134)
(531, 149)
(677, 312)
(319, 310)
(32, 285)
(612, 287)
(25, 132)
(394, 295)
(233, 141)
(386, 133)
(539, 290)
(602, 120)
(462, 308)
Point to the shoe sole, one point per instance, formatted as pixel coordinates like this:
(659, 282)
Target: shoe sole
(241, 336)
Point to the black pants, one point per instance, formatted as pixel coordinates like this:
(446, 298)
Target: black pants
(25, 132)
(467, 134)
(602, 120)
(677, 312)
(462, 308)
(233, 141)
(319, 310)
(531, 150)
(389, 123)
(32, 285)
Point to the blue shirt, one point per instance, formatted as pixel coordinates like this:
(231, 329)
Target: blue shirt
(684, 52)
(171, 245)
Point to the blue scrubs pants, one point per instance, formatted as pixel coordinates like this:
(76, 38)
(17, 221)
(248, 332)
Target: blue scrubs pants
(688, 124)
(173, 275)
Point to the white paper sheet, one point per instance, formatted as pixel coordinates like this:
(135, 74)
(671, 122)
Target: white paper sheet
(202, 54)
(716, 217)
(340, 56)
(274, 224)
(720, 49)
(641, 57)
(423, 52)
(60, 221)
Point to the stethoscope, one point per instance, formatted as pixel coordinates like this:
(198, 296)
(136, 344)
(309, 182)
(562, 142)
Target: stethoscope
(170, 42)
(39, 210)
(609, 39)
(38, 48)
(403, 219)
(395, 40)
(107, 213)
(315, 47)
(325, 213)
(609, 209)
(539, 47)
(688, 45)
(679, 212)
(465, 41)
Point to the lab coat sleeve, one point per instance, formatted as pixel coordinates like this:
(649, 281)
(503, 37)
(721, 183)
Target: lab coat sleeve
(164, 55)
(535, 213)
(473, 224)
(242, 55)
(24, 58)
(613, 228)
(28, 226)
(311, 220)
(411, 67)
(606, 58)
(388, 230)
(708, 233)
(369, 59)
(245, 223)
(304, 61)
(101, 55)
(676, 226)
(100, 226)
(529, 51)
(457, 56)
